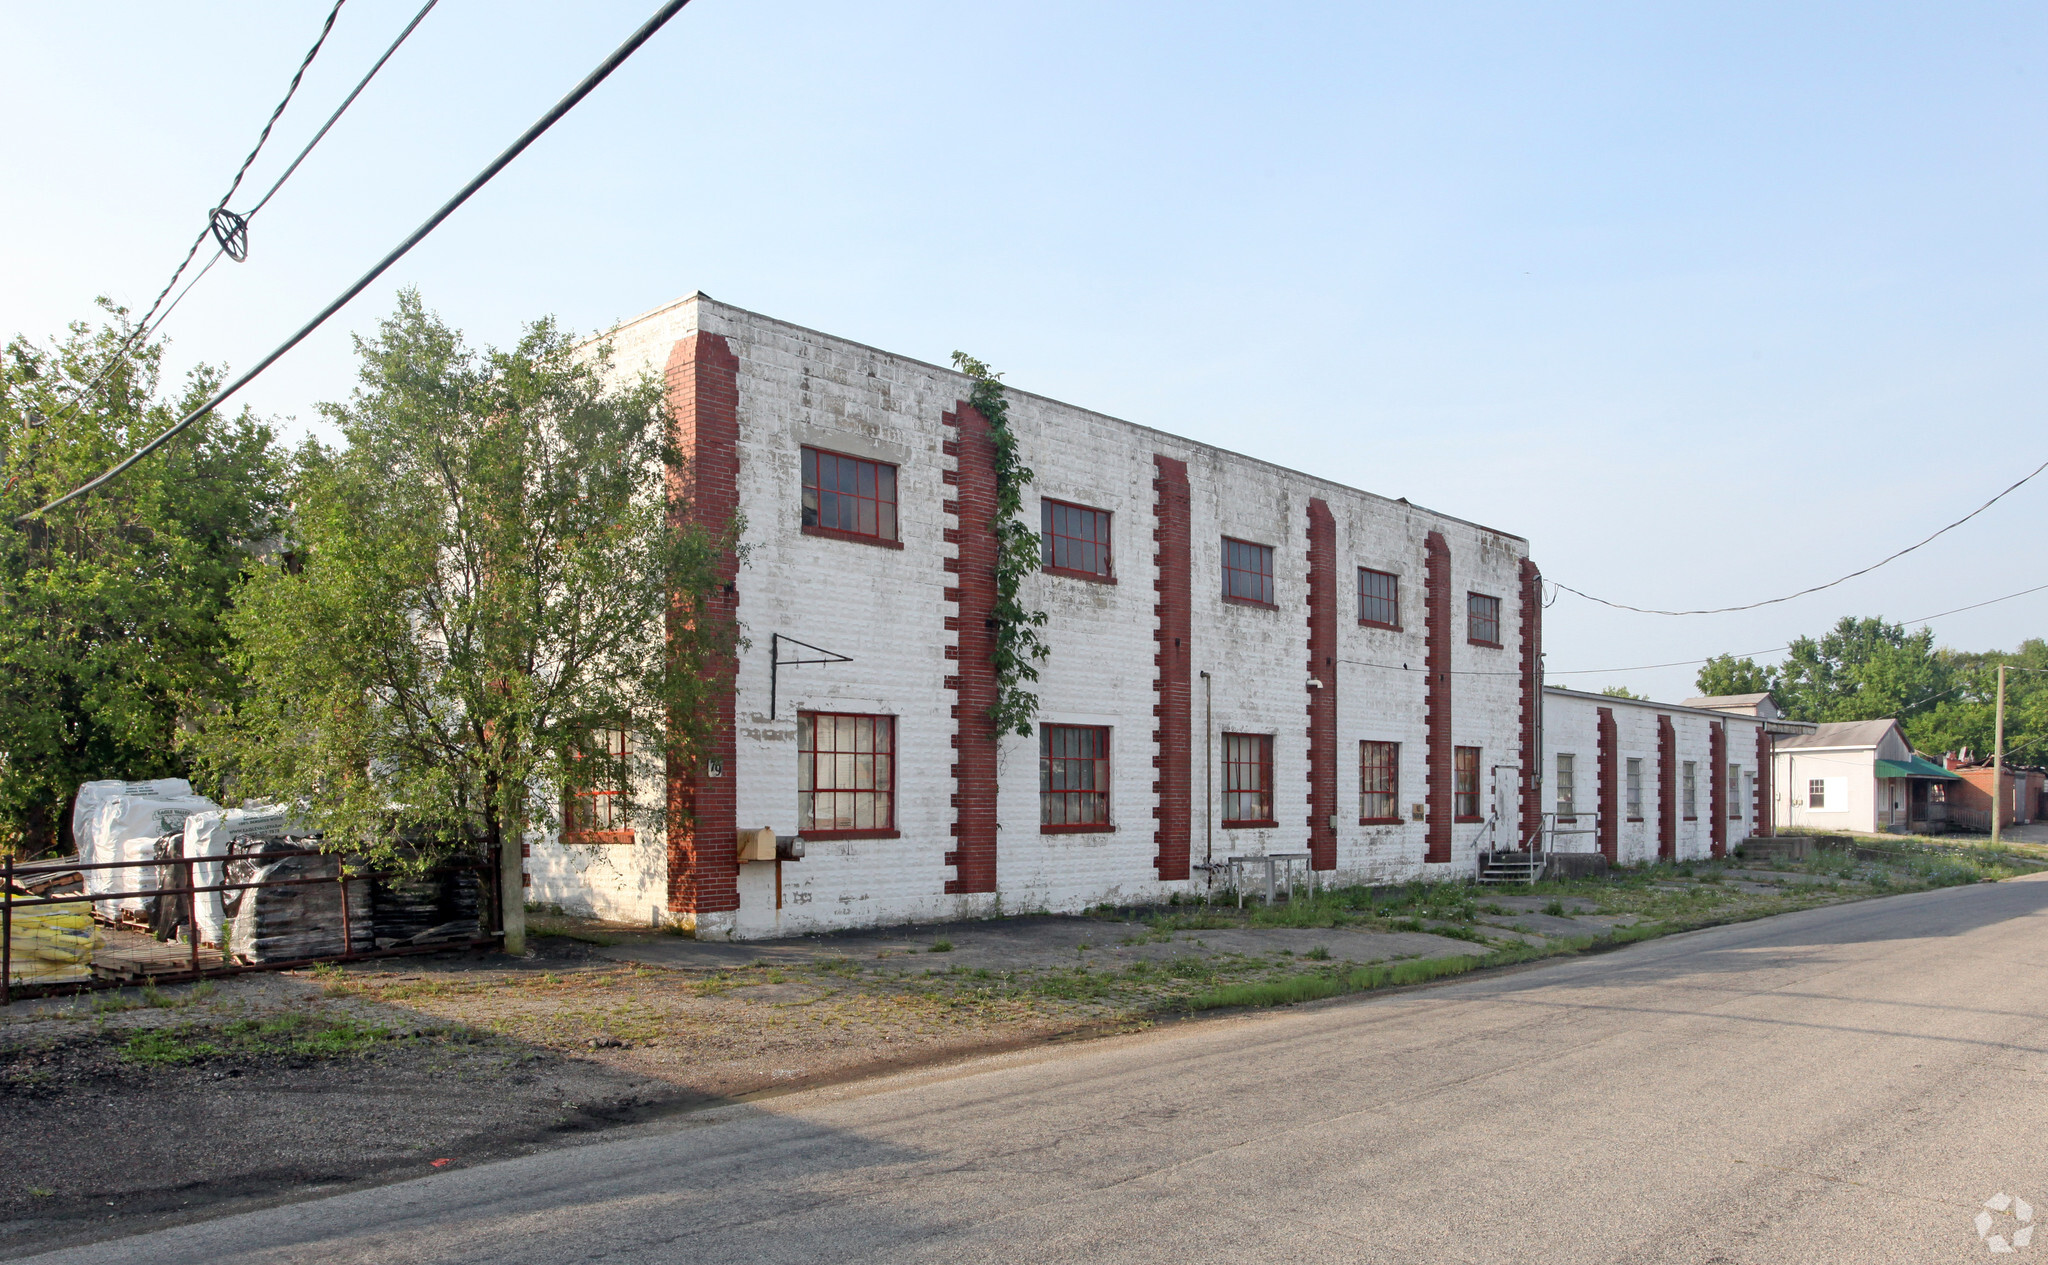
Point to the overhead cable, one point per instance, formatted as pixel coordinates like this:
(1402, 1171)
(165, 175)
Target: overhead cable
(1772, 601)
(498, 164)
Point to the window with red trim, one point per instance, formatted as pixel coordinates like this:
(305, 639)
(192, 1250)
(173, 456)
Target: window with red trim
(1073, 777)
(1465, 784)
(1074, 539)
(594, 804)
(1247, 572)
(1482, 619)
(845, 774)
(1379, 598)
(1247, 779)
(849, 495)
(1379, 782)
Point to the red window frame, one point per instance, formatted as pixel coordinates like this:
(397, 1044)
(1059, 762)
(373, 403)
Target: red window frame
(1074, 540)
(1379, 783)
(595, 802)
(856, 772)
(850, 498)
(1073, 779)
(1465, 783)
(1247, 573)
(1248, 779)
(1482, 620)
(1379, 599)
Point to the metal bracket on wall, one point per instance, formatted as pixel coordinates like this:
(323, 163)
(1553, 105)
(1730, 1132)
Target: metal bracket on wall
(776, 662)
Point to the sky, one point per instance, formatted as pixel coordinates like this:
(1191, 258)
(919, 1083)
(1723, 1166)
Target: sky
(1711, 303)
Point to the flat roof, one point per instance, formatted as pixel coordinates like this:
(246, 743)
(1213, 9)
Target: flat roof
(1652, 704)
(699, 295)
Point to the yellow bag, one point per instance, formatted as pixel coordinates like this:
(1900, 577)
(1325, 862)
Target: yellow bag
(52, 944)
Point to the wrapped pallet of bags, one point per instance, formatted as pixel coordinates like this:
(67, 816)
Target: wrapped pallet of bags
(125, 828)
(207, 835)
(51, 944)
(296, 920)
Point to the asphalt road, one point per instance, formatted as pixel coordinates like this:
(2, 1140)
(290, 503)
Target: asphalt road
(1845, 1084)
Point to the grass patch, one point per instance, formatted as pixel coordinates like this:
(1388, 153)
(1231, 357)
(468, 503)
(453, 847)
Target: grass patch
(301, 1035)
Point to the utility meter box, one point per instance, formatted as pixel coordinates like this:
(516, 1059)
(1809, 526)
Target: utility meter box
(757, 845)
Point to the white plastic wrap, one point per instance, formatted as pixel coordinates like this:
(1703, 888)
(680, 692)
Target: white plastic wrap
(126, 828)
(207, 835)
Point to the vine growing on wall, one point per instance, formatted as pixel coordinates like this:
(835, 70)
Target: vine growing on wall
(1018, 648)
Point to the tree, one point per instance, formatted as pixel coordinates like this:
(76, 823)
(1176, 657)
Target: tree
(1965, 718)
(1863, 669)
(112, 638)
(495, 566)
(1622, 691)
(1724, 674)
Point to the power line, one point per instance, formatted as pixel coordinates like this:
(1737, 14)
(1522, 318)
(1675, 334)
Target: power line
(498, 164)
(146, 324)
(1750, 606)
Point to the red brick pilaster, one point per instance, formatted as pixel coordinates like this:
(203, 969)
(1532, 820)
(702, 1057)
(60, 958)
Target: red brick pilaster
(1760, 823)
(1717, 782)
(1322, 703)
(972, 590)
(1667, 790)
(703, 810)
(1610, 789)
(1436, 659)
(1173, 729)
(1532, 703)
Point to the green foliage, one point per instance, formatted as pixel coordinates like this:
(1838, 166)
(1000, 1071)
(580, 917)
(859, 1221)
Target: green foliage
(111, 608)
(492, 567)
(1724, 674)
(1019, 648)
(1862, 669)
(277, 1035)
(1621, 691)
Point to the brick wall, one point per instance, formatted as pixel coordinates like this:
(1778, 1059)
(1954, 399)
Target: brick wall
(1610, 788)
(703, 399)
(1172, 726)
(1667, 790)
(1436, 585)
(1531, 754)
(973, 681)
(1717, 781)
(1760, 823)
(1322, 703)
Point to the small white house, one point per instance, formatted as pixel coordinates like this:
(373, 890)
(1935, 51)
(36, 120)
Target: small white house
(1857, 775)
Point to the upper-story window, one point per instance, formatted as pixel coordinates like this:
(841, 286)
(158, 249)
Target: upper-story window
(1075, 539)
(1247, 572)
(1379, 598)
(849, 496)
(1482, 619)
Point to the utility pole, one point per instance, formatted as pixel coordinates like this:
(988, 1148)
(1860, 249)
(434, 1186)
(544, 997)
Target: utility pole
(1998, 758)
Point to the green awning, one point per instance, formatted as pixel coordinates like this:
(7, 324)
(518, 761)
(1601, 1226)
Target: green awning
(1915, 767)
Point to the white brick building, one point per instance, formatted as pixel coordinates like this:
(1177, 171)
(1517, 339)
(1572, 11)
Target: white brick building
(1406, 757)
(1643, 781)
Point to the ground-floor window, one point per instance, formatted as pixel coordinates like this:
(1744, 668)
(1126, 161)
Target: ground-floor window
(846, 773)
(594, 803)
(1817, 793)
(1379, 779)
(1635, 789)
(1735, 791)
(1465, 784)
(1567, 787)
(1689, 780)
(1073, 777)
(1248, 779)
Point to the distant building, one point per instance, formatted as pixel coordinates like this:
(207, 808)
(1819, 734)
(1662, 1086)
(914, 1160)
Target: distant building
(1637, 780)
(1969, 797)
(1859, 775)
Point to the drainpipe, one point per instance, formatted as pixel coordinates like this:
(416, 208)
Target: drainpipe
(1209, 776)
